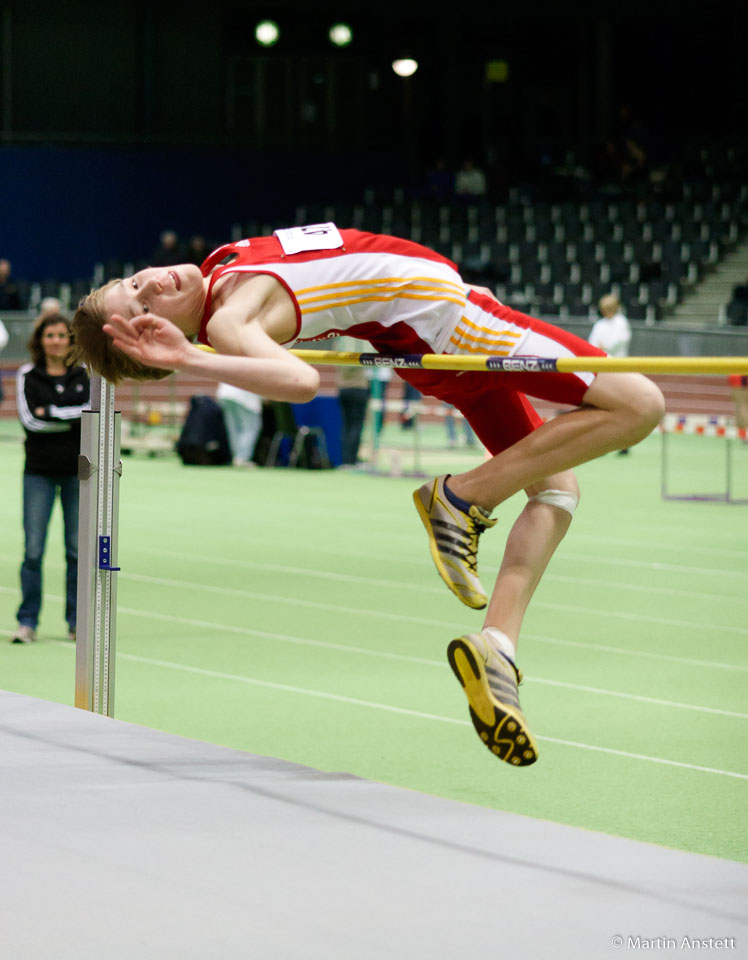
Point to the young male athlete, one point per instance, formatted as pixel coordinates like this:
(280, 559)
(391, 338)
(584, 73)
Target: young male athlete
(252, 299)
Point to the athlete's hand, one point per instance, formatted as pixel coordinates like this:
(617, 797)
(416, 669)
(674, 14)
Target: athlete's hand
(149, 339)
(486, 293)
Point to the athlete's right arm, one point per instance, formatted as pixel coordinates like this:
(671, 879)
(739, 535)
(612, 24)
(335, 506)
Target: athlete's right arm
(257, 363)
(263, 367)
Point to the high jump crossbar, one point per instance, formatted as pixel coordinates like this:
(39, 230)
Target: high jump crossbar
(99, 470)
(524, 364)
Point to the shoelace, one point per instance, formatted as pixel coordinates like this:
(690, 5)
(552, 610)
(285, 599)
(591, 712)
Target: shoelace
(476, 526)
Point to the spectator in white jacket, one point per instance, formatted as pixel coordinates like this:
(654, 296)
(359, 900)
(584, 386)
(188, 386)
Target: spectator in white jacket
(612, 332)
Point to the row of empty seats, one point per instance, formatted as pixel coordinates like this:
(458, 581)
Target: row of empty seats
(558, 259)
(651, 246)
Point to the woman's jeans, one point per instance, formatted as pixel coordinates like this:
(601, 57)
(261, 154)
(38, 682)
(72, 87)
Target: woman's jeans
(38, 499)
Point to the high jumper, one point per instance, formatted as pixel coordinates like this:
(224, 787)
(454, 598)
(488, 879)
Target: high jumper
(253, 299)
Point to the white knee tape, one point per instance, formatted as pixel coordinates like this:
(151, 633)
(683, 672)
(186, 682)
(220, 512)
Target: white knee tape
(558, 498)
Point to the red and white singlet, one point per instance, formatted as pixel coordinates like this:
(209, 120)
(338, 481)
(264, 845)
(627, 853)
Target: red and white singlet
(405, 298)
(396, 294)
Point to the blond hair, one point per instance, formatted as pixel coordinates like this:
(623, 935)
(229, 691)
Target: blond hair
(95, 348)
(609, 305)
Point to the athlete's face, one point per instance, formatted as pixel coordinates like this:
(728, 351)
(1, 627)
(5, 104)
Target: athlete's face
(175, 293)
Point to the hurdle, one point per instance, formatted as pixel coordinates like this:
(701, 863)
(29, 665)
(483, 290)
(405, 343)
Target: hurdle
(99, 471)
(703, 426)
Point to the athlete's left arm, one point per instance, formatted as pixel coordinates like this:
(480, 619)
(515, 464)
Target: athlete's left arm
(485, 291)
(237, 331)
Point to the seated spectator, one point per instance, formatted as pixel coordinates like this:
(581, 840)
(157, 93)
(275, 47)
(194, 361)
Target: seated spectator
(49, 307)
(632, 145)
(737, 313)
(197, 250)
(740, 292)
(9, 297)
(440, 182)
(169, 252)
(470, 180)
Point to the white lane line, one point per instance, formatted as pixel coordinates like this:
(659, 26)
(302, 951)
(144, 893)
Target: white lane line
(652, 565)
(629, 652)
(560, 556)
(664, 531)
(281, 599)
(626, 651)
(287, 599)
(634, 696)
(640, 617)
(354, 701)
(421, 661)
(405, 584)
(302, 571)
(643, 756)
(642, 588)
(442, 624)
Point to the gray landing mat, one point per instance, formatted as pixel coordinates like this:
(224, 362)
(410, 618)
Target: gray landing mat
(122, 842)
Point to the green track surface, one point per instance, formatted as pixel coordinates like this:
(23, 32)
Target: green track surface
(297, 614)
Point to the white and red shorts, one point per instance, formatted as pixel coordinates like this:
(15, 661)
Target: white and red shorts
(495, 404)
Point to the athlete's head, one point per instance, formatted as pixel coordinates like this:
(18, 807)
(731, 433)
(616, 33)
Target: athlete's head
(175, 293)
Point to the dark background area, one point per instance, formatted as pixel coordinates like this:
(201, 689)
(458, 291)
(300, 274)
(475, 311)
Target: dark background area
(120, 119)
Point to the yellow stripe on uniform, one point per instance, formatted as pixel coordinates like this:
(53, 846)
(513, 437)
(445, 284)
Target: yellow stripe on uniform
(499, 333)
(456, 287)
(464, 336)
(403, 296)
(351, 292)
(469, 349)
(364, 289)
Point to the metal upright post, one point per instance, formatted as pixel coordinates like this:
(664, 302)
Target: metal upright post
(99, 470)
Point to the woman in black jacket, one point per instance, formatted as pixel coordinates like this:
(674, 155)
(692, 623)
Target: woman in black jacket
(50, 396)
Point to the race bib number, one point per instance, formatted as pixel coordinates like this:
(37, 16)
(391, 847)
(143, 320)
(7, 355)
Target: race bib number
(316, 236)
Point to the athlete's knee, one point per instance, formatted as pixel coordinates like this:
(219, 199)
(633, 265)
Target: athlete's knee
(649, 405)
(560, 490)
(635, 401)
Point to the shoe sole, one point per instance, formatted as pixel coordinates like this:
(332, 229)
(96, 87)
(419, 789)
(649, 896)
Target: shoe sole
(500, 727)
(442, 570)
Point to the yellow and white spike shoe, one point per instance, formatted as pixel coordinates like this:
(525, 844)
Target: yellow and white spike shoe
(490, 682)
(453, 540)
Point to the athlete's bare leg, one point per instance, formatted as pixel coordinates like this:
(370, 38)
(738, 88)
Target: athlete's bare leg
(536, 533)
(619, 410)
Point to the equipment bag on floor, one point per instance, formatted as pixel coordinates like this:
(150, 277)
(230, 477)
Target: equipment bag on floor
(203, 440)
